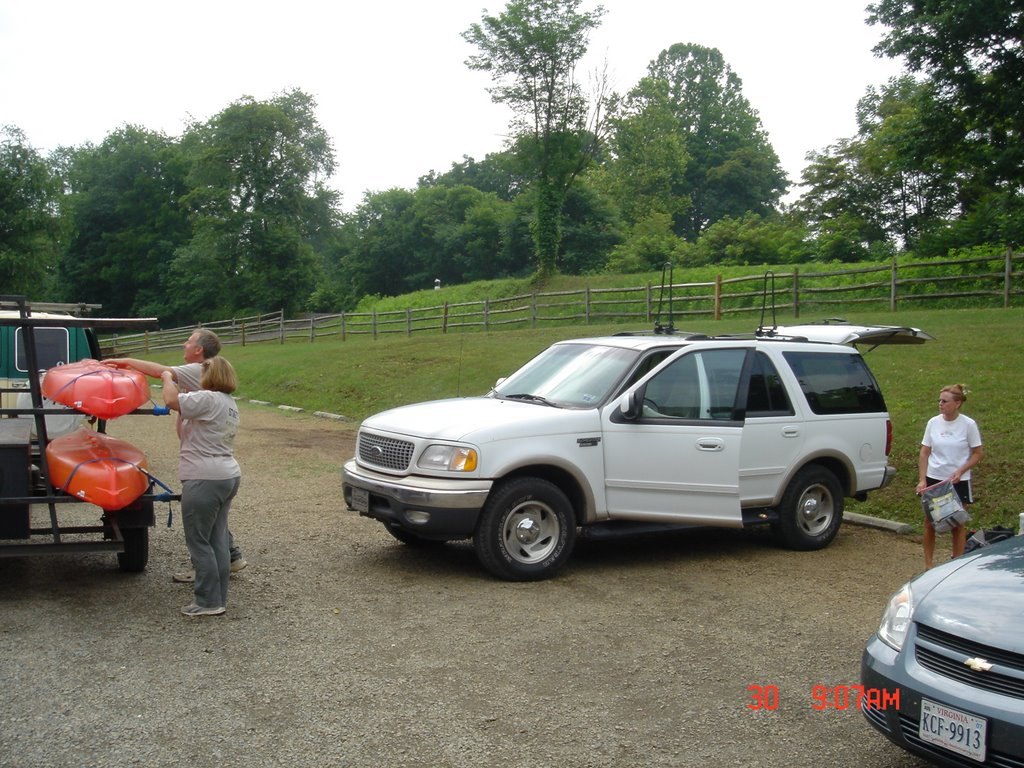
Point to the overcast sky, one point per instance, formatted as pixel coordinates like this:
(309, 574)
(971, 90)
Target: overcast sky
(390, 79)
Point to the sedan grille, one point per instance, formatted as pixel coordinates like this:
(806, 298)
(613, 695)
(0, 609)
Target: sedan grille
(945, 655)
(385, 452)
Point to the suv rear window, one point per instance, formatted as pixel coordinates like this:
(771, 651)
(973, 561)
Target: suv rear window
(836, 383)
(52, 348)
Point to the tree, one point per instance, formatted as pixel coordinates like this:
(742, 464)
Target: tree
(29, 218)
(646, 175)
(532, 50)
(123, 207)
(501, 173)
(972, 55)
(259, 200)
(730, 167)
(888, 185)
(753, 239)
(972, 50)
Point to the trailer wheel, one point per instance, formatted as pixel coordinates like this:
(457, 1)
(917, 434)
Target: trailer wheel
(136, 550)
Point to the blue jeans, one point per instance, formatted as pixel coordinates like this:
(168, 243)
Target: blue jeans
(204, 512)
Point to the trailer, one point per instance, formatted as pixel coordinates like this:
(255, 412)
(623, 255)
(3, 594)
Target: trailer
(33, 338)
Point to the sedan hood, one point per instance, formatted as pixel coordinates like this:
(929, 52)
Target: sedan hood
(978, 597)
(476, 419)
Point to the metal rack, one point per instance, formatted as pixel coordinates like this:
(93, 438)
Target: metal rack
(124, 531)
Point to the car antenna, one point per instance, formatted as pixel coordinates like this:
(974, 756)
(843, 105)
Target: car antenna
(769, 276)
(658, 327)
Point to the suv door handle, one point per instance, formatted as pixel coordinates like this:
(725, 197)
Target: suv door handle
(710, 444)
(791, 431)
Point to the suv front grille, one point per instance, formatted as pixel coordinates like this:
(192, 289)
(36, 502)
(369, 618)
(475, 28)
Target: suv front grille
(945, 654)
(385, 452)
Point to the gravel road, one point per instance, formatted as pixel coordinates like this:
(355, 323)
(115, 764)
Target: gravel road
(342, 647)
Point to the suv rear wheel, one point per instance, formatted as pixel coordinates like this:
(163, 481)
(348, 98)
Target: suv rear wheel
(811, 510)
(526, 531)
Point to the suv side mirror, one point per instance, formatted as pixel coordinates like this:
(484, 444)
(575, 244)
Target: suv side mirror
(631, 404)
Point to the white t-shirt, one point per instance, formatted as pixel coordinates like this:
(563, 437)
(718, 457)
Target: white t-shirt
(951, 443)
(208, 425)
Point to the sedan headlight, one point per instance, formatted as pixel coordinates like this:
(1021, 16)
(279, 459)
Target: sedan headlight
(896, 619)
(449, 458)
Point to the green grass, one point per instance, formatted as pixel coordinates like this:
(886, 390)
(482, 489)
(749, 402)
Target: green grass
(979, 347)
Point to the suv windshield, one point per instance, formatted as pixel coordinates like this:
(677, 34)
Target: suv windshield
(569, 375)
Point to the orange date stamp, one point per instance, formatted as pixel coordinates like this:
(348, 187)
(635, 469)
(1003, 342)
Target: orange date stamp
(822, 697)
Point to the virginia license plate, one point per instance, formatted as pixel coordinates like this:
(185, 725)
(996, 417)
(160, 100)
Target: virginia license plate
(953, 729)
(360, 500)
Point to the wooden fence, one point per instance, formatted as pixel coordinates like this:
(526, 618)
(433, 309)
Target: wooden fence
(996, 281)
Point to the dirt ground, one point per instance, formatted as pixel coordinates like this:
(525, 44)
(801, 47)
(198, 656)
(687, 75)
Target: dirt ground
(343, 647)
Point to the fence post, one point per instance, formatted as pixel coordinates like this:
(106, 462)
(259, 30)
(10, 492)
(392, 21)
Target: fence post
(444, 318)
(343, 337)
(586, 306)
(718, 297)
(408, 322)
(312, 328)
(533, 310)
(243, 334)
(1007, 274)
(796, 292)
(487, 314)
(892, 286)
(374, 324)
(280, 328)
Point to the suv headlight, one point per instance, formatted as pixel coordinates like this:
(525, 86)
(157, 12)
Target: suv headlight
(896, 619)
(449, 458)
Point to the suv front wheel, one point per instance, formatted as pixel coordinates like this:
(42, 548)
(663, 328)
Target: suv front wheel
(527, 530)
(811, 510)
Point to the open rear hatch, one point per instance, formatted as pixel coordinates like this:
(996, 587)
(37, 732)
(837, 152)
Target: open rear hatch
(841, 333)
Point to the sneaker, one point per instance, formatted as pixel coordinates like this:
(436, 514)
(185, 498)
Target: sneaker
(188, 577)
(197, 610)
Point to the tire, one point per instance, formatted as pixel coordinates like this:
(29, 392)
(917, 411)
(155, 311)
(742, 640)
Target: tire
(136, 550)
(811, 510)
(527, 530)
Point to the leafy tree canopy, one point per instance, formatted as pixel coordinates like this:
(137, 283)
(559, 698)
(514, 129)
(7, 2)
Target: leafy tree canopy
(531, 51)
(29, 217)
(692, 126)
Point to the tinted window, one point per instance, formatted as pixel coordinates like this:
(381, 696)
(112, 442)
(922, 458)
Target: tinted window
(701, 385)
(836, 383)
(51, 348)
(766, 395)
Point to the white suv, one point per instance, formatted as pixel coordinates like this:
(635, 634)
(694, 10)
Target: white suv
(636, 432)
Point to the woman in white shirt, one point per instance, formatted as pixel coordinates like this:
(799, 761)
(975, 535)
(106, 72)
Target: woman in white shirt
(950, 447)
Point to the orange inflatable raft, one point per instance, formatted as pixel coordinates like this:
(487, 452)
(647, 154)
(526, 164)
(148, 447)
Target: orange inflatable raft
(97, 389)
(97, 468)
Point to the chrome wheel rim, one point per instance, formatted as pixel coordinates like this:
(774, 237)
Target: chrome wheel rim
(530, 532)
